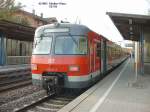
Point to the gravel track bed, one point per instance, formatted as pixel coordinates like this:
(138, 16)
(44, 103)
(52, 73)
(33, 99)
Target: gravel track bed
(9, 81)
(53, 104)
(12, 95)
(11, 106)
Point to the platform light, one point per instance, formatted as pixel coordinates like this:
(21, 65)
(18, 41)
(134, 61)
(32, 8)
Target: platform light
(131, 28)
(56, 30)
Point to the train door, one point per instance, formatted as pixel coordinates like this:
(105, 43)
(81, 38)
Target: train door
(92, 55)
(96, 61)
(103, 57)
(93, 42)
(98, 56)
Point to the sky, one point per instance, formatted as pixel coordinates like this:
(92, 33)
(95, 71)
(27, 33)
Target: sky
(91, 13)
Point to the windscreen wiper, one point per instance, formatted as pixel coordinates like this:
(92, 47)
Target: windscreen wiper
(73, 39)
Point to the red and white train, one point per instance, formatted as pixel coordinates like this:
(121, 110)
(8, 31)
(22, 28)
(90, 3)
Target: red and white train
(72, 56)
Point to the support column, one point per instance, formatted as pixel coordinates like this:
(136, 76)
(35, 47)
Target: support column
(136, 60)
(2, 50)
(141, 51)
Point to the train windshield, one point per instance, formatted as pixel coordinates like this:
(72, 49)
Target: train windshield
(69, 45)
(42, 45)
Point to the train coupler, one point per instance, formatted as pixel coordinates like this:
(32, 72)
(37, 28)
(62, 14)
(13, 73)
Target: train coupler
(51, 84)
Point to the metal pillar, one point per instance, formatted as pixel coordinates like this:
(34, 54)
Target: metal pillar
(2, 50)
(136, 59)
(142, 50)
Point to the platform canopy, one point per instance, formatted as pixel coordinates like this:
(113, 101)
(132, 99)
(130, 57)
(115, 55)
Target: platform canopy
(16, 31)
(130, 25)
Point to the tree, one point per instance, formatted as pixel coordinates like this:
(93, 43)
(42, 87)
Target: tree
(8, 8)
(6, 3)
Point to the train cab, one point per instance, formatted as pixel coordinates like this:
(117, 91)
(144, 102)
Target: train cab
(65, 54)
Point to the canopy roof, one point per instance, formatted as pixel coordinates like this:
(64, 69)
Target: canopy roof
(130, 25)
(16, 31)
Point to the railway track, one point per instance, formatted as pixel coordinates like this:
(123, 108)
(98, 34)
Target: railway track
(49, 103)
(14, 74)
(53, 104)
(36, 102)
(14, 78)
(39, 102)
(15, 85)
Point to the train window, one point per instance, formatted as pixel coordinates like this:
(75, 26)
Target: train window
(43, 46)
(98, 50)
(113, 52)
(82, 45)
(70, 45)
(108, 51)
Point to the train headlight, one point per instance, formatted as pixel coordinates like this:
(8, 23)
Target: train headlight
(34, 66)
(73, 68)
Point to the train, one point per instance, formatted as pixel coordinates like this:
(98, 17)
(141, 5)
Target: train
(72, 56)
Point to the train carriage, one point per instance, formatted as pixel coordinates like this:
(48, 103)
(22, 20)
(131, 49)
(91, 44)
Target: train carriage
(68, 56)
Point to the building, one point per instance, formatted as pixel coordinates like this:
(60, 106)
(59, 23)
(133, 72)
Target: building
(32, 19)
(16, 39)
(15, 43)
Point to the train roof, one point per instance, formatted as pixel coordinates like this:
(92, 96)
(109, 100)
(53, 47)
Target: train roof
(64, 25)
(73, 28)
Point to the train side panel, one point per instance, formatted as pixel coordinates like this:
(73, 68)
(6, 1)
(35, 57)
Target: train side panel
(95, 55)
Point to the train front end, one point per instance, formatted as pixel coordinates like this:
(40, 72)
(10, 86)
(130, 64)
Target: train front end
(60, 57)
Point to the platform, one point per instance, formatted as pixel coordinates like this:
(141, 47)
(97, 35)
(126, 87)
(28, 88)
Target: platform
(14, 67)
(117, 92)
